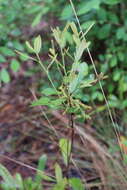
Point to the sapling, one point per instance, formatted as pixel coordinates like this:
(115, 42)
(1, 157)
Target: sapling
(73, 79)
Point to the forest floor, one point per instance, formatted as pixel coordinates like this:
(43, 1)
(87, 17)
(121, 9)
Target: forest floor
(25, 134)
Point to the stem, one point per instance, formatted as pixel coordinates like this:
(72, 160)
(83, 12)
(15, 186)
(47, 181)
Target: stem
(72, 132)
(72, 142)
(63, 61)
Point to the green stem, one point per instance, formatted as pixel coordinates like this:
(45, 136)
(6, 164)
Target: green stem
(63, 61)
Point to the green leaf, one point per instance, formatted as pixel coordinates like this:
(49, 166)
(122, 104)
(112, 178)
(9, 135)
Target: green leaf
(36, 20)
(2, 59)
(113, 101)
(34, 9)
(120, 33)
(41, 101)
(121, 56)
(73, 85)
(6, 51)
(58, 173)
(76, 184)
(104, 31)
(102, 15)
(4, 75)
(112, 2)
(17, 45)
(55, 104)
(29, 46)
(18, 179)
(37, 44)
(88, 6)
(113, 61)
(65, 147)
(27, 183)
(6, 176)
(38, 17)
(80, 49)
(61, 185)
(15, 65)
(72, 110)
(87, 24)
(60, 36)
(112, 17)
(49, 91)
(82, 70)
(116, 75)
(67, 12)
(41, 167)
(74, 28)
(124, 104)
(97, 95)
(42, 162)
(44, 176)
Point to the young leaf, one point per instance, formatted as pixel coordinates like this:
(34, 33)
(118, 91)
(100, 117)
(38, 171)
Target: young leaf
(58, 173)
(65, 147)
(82, 69)
(74, 28)
(29, 46)
(37, 44)
(76, 39)
(80, 49)
(73, 84)
(59, 37)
